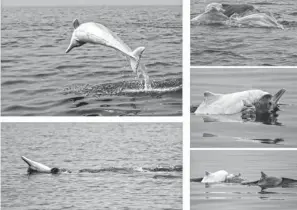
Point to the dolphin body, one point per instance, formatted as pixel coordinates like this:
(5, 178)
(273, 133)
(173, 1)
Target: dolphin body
(256, 20)
(96, 33)
(227, 104)
(271, 182)
(35, 167)
(219, 176)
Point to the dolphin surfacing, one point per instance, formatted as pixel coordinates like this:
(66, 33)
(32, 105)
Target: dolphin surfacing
(266, 182)
(233, 103)
(96, 33)
(35, 167)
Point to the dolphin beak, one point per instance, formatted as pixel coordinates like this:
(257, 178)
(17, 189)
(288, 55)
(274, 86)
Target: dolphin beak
(278, 95)
(28, 161)
(69, 48)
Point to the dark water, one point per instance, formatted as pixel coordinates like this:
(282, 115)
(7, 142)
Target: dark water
(123, 150)
(229, 46)
(249, 134)
(249, 164)
(38, 78)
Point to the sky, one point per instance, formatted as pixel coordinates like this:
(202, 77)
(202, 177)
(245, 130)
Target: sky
(88, 2)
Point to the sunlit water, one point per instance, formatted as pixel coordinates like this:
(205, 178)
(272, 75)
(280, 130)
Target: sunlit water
(77, 146)
(248, 134)
(38, 78)
(214, 45)
(249, 164)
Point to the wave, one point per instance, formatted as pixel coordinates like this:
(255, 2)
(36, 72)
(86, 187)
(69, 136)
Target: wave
(176, 168)
(133, 87)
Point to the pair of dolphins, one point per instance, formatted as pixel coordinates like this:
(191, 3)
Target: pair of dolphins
(236, 14)
(96, 33)
(264, 182)
(251, 104)
(35, 167)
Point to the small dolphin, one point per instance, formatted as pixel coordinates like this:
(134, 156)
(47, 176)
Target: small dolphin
(271, 182)
(96, 33)
(35, 167)
(232, 103)
(240, 9)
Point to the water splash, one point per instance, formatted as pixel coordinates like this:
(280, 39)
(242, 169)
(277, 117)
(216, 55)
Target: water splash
(146, 78)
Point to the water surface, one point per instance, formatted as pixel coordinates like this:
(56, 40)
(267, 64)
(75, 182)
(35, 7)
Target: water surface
(249, 134)
(249, 164)
(214, 45)
(38, 78)
(77, 146)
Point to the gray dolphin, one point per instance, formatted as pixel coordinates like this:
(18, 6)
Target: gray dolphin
(96, 33)
(240, 9)
(271, 182)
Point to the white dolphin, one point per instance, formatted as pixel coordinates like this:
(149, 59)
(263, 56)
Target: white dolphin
(36, 167)
(256, 20)
(96, 33)
(213, 14)
(232, 103)
(218, 176)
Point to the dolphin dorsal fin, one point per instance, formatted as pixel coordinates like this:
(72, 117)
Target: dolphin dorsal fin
(75, 23)
(208, 94)
(207, 173)
(263, 174)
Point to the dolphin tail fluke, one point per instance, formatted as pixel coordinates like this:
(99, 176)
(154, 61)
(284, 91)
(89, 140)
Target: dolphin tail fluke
(135, 58)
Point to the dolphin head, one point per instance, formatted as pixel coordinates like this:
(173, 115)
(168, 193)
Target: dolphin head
(75, 42)
(214, 7)
(268, 103)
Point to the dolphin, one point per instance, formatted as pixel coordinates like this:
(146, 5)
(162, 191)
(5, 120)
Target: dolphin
(219, 176)
(240, 9)
(96, 33)
(35, 167)
(232, 103)
(256, 20)
(213, 15)
(271, 182)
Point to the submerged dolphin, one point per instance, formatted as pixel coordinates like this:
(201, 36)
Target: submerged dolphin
(35, 167)
(96, 33)
(227, 104)
(271, 182)
(256, 20)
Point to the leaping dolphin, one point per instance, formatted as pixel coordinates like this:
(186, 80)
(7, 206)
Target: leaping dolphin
(96, 33)
(35, 167)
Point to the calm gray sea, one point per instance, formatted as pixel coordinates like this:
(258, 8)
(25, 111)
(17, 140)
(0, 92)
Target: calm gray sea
(38, 78)
(249, 164)
(127, 147)
(237, 134)
(229, 46)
